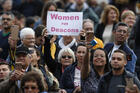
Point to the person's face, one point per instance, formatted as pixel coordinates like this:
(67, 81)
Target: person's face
(20, 22)
(39, 40)
(52, 8)
(118, 61)
(112, 16)
(24, 59)
(99, 59)
(31, 87)
(7, 21)
(80, 2)
(121, 34)
(88, 27)
(80, 53)
(66, 59)
(4, 71)
(34, 57)
(130, 20)
(7, 6)
(29, 41)
(67, 39)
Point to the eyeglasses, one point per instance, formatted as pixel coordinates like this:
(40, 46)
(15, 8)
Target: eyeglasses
(120, 31)
(67, 57)
(8, 19)
(29, 38)
(30, 87)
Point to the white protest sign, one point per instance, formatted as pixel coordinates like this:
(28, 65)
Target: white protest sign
(64, 23)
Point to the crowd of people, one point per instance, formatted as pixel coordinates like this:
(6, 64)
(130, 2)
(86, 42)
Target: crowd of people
(103, 58)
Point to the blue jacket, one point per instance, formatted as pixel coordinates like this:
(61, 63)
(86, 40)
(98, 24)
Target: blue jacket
(131, 57)
(105, 81)
(67, 79)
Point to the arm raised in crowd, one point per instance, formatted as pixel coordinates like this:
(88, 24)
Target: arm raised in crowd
(85, 70)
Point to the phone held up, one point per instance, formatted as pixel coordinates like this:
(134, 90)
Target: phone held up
(18, 66)
(14, 32)
(129, 82)
(89, 38)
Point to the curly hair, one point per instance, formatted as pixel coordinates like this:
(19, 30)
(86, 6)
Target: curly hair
(32, 76)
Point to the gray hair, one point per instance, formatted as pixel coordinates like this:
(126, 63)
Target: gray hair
(66, 50)
(9, 13)
(88, 20)
(26, 31)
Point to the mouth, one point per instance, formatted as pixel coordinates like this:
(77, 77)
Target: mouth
(99, 60)
(120, 37)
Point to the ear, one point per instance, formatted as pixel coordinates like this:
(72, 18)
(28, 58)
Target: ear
(125, 62)
(38, 57)
(113, 32)
(128, 34)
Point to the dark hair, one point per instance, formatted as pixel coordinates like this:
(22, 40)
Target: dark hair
(4, 63)
(29, 22)
(38, 30)
(18, 15)
(120, 24)
(122, 52)
(80, 44)
(107, 67)
(32, 76)
(45, 10)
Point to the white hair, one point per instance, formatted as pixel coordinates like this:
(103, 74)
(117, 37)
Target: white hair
(67, 49)
(26, 31)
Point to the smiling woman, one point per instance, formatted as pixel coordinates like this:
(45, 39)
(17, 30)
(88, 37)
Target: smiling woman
(91, 74)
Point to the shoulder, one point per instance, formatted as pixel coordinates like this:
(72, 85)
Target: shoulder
(108, 45)
(106, 77)
(127, 49)
(70, 67)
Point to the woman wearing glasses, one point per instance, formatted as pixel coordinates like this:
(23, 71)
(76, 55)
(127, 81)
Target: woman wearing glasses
(65, 58)
(31, 82)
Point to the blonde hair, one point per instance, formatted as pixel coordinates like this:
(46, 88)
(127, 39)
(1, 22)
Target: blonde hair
(126, 13)
(70, 51)
(104, 16)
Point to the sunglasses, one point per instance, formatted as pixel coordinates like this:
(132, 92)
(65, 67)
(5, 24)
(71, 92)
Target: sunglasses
(67, 57)
(30, 87)
(6, 19)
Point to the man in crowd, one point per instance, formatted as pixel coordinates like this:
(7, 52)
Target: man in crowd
(119, 79)
(27, 36)
(7, 22)
(88, 27)
(120, 37)
(4, 70)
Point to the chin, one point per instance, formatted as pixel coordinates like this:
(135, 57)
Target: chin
(117, 68)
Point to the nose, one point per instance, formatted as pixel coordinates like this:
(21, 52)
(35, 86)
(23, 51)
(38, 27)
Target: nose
(81, 54)
(1, 70)
(29, 89)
